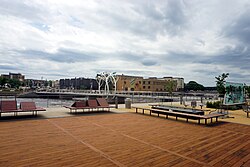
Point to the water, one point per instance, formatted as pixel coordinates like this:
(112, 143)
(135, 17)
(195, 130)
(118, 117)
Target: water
(46, 103)
(50, 103)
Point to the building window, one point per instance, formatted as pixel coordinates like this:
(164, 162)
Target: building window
(139, 82)
(148, 87)
(148, 82)
(143, 82)
(144, 87)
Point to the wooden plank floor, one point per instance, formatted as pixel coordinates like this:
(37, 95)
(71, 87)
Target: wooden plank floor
(122, 140)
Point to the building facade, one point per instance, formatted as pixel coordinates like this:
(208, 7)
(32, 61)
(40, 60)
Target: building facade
(137, 83)
(180, 83)
(78, 83)
(129, 83)
(17, 76)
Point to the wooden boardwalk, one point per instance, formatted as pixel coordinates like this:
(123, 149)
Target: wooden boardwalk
(122, 140)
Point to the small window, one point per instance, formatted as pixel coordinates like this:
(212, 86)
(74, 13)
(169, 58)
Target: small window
(148, 87)
(143, 82)
(148, 82)
(144, 87)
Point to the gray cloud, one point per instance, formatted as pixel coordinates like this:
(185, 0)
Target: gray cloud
(240, 28)
(62, 55)
(151, 18)
(149, 62)
(191, 39)
(175, 20)
(237, 57)
(8, 67)
(179, 57)
(21, 9)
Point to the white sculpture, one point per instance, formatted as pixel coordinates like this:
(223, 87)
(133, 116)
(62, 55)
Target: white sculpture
(106, 78)
(99, 80)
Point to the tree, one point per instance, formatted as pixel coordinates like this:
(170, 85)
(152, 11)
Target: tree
(170, 86)
(15, 83)
(3, 81)
(247, 88)
(46, 83)
(192, 85)
(220, 83)
(50, 83)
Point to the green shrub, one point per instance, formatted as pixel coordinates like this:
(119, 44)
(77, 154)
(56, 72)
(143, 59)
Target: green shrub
(215, 104)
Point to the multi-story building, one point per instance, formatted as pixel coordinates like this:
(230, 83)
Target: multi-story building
(180, 83)
(55, 84)
(137, 83)
(129, 83)
(16, 76)
(78, 83)
(35, 83)
(153, 84)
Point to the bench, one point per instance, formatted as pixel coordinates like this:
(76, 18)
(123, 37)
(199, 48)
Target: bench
(30, 106)
(181, 115)
(246, 109)
(9, 106)
(102, 103)
(177, 109)
(78, 105)
(91, 105)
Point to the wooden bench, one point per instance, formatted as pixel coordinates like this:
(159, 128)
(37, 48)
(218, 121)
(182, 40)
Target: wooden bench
(182, 110)
(177, 107)
(9, 106)
(78, 105)
(90, 105)
(180, 115)
(246, 109)
(30, 106)
(102, 103)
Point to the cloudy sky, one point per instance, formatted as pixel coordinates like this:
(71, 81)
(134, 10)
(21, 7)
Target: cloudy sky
(194, 39)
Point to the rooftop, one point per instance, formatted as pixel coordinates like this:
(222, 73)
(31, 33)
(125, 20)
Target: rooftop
(122, 139)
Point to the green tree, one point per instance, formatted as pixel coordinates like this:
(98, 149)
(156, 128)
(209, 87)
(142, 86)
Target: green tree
(247, 88)
(220, 83)
(46, 83)
(192, 85)
(50, 83)
(15, 83)
(3, 81)
(30, 83)
(170, 86)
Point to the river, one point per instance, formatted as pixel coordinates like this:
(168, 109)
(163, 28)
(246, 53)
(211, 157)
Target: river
(46, 103)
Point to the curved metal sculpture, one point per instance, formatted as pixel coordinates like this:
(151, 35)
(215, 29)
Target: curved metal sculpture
(107, 79)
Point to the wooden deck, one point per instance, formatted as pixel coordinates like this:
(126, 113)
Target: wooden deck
(122, 140)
